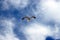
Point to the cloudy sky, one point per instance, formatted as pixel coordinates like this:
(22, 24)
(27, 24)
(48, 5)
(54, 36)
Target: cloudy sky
(47, 22)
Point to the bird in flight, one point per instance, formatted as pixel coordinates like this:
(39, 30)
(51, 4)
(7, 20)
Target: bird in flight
(28, 18)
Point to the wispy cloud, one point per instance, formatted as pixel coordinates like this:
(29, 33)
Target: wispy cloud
(50, 12)
(7, 25)
(18, 4)
(36, 31)
(49, 9)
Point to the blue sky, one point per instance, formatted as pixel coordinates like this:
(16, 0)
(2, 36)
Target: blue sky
(47, 22)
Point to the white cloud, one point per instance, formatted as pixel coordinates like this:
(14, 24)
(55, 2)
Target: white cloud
(18, 4)
(36, 31)
(8, 26)
(50, 12)
(8, 37)
(49, 9)
(5, 5)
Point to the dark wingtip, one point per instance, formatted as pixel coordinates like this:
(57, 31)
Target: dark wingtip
(22, 18)
(33, 17)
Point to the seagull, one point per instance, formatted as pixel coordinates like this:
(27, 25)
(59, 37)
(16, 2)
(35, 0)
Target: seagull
(28, 18)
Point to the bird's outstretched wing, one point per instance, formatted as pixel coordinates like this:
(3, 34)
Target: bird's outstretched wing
(33, 17)
(26, 17)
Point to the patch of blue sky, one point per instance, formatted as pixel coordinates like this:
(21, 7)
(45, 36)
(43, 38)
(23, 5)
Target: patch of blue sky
(27, 11)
